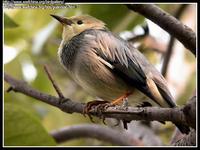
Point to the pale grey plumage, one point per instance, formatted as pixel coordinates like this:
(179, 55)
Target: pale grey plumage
(116, 54)
(107, 66)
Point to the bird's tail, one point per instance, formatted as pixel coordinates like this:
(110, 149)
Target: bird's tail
(165, 93)
(183, 128)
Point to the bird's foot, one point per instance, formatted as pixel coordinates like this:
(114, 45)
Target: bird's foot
(95, 105)
(98, 107)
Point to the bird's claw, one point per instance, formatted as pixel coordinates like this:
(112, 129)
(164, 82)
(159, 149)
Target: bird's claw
(98, 107)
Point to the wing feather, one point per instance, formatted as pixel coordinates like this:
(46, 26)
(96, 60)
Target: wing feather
(131, 66)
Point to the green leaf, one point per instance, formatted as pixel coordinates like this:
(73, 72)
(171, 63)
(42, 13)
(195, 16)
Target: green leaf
(21, 128)
(8, 22)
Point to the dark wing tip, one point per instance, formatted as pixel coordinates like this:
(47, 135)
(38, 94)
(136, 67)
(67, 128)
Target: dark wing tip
(164, 91)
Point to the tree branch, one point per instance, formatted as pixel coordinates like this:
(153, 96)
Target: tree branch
(95, 131)
(169, 51)
(187, 140)
(190, 112)
(175, 115)
(169, 23)
(167, 56)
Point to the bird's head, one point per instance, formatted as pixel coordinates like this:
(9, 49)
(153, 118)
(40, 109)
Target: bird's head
(77, 24)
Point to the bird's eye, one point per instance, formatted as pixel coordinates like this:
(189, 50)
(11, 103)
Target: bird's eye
(79, 22)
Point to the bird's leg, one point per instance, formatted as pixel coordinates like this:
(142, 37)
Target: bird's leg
(125, 104)
(121, 98)
(124, 99)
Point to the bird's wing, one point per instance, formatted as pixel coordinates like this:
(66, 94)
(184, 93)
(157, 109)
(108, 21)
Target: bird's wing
(130, 65)
(164, 91)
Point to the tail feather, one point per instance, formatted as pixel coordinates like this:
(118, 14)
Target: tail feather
(169, 99)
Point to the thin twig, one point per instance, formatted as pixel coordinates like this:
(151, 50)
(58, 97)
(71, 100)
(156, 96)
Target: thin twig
(169, 50)
(141, 36)
(95, 131)
(148, 40)
(9, 89)
(169, 23)
(53, 82)
(167, 56)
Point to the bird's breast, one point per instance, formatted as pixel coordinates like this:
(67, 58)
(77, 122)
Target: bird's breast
(96, 78)
(67, 53)
(88, 70)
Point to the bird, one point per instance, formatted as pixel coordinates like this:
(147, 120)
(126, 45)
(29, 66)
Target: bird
(108, 67)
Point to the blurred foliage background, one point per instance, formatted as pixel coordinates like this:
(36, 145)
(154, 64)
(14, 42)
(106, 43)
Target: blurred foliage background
(31, 39)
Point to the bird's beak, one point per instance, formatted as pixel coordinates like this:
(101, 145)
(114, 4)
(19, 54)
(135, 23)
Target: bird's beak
(62, 20)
